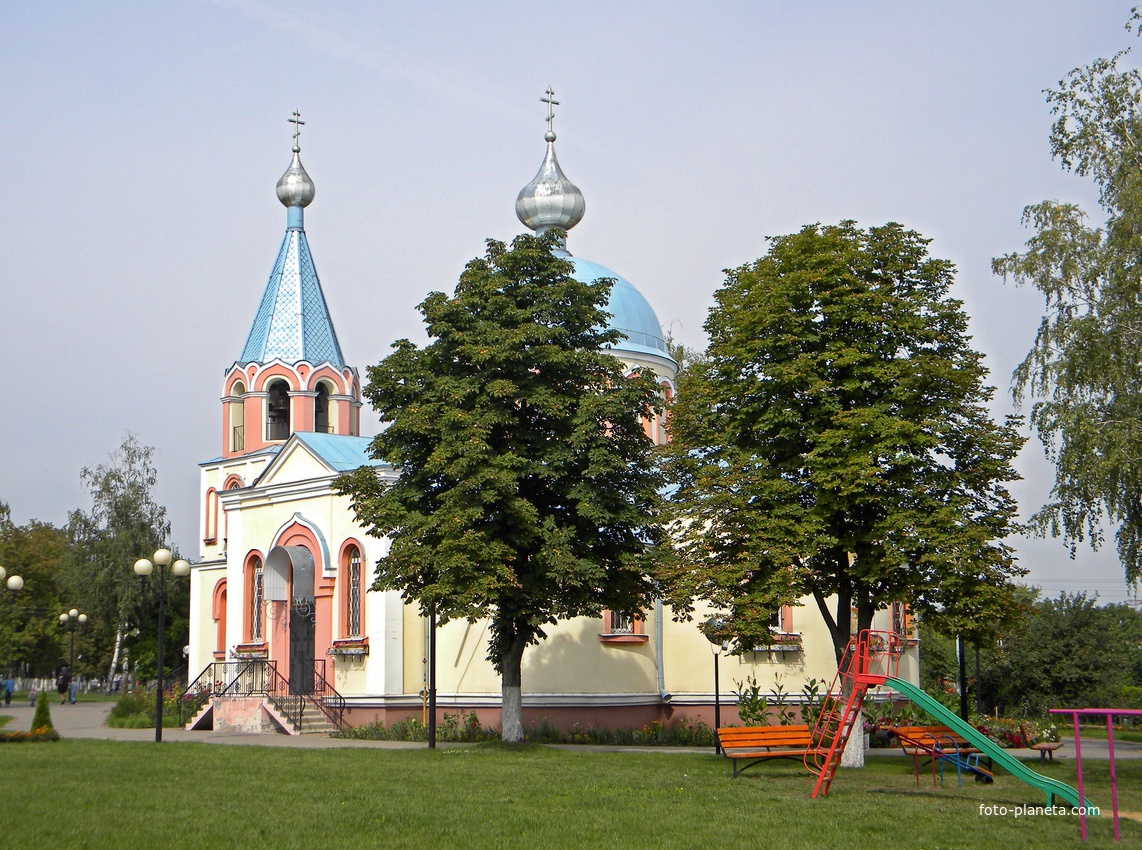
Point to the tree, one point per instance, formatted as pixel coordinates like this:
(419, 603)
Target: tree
(1067, 652)
(526, 489)
(1084, 370)
(836, 442)
(29, 631)
(125, 523)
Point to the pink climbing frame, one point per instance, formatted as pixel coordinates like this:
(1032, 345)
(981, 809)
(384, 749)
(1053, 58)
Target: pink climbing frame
(1109, 714)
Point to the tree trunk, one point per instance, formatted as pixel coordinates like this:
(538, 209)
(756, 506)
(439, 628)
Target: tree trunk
(511, 711)
(115, 654)
(853, 756)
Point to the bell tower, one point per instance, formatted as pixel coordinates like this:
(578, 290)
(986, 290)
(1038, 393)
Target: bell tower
(291, 375)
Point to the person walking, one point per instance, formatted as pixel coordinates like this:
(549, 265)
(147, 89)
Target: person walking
(9, 687)
(62, 685)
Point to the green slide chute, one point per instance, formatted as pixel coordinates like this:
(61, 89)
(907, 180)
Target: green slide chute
(1000, 757)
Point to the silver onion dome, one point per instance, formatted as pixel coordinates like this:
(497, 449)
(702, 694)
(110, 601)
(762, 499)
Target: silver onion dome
(550, 200)
(295, 188)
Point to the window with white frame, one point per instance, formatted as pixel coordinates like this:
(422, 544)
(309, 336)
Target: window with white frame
(352, 592)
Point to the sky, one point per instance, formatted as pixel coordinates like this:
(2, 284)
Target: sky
(140, 143)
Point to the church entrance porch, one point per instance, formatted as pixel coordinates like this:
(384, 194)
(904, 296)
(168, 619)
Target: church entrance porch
(290, 589)
(253, 696)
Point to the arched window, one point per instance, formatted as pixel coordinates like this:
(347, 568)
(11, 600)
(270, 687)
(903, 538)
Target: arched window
(210, 518)
(277, 411)
(321, 410)
(255, 596)
(219, 613)
(662, 436)
(352, 581)
(237, 417)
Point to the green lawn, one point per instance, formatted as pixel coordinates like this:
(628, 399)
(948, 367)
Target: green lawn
(1133, 735)
(78, 793)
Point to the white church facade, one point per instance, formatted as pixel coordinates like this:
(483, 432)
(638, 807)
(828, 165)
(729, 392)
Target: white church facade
(284, 571)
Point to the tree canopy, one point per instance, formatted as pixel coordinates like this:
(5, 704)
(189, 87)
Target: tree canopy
(125, 523)
(1067, 652)
(526, 489)
(29, 629)
(835, 441)
(1084, 370)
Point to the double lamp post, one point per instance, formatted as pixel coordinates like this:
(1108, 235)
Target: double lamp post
(145, 567)
(72, 620)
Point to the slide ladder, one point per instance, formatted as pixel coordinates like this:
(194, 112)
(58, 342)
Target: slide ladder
(866, 661)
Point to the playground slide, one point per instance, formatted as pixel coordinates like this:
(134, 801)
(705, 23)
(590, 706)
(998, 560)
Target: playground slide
(999, 756)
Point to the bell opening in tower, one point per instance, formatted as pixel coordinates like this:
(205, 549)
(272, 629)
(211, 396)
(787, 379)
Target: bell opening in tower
(277, 411)
(321, 410)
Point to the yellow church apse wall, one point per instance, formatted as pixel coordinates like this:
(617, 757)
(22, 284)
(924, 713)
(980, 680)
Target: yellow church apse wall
(575, 676)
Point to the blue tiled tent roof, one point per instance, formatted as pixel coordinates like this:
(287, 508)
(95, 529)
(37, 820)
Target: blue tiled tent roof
(293, 322)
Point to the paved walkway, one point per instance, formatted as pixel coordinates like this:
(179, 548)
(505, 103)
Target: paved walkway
(86, 720)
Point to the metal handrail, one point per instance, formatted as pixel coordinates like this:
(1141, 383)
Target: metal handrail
(260, 677)
(331, 703)
(278, 693)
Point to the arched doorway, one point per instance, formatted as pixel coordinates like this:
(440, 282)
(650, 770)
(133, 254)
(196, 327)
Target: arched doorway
(289, 579)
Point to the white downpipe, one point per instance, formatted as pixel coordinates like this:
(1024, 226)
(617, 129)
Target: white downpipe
(658, 660)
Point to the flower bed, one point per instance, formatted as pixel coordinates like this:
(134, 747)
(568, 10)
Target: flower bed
(34, 736)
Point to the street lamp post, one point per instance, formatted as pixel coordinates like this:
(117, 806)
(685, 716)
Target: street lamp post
(72, 620)
(143, 568)
(713, 631)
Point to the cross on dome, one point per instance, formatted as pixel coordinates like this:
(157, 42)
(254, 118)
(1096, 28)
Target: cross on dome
(297, 125)
(551, 103)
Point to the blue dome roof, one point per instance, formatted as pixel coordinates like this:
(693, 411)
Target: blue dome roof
(630, 312)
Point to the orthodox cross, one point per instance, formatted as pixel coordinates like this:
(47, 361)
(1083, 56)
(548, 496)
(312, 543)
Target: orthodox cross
(551, 102)
(297, 125)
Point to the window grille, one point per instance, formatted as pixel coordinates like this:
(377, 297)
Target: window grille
(353, 589)
(622, 623)
(257, 606)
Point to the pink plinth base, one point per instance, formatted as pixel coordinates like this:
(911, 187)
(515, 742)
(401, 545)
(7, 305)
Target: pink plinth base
(239, 714)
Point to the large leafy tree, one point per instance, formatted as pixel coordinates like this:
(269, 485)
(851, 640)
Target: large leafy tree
(30, 639)
(1084, 370)
(1068, 651)
(836, 442)
(526, 490)
(124, 523)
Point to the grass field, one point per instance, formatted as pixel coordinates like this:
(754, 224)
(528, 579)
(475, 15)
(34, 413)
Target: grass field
(81, 793)
(1133, 735)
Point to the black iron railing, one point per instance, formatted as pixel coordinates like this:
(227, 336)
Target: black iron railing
(260, 677)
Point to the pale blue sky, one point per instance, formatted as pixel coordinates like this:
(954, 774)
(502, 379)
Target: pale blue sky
(140, 144)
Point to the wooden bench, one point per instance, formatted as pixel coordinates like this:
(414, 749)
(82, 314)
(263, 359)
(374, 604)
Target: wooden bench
(930, 742)
(760, 743)
(1045, 749)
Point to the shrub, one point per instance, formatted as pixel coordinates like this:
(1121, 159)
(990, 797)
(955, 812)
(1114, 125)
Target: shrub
(753, 705)
(454, 728)
(43, 716)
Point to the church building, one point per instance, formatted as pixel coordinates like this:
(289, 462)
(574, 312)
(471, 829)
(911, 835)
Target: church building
(282, 582)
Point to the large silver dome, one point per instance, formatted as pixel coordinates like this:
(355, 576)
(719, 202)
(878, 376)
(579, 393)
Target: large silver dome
(550, 200)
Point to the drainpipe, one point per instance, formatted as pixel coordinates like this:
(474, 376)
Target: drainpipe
(662, 694)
